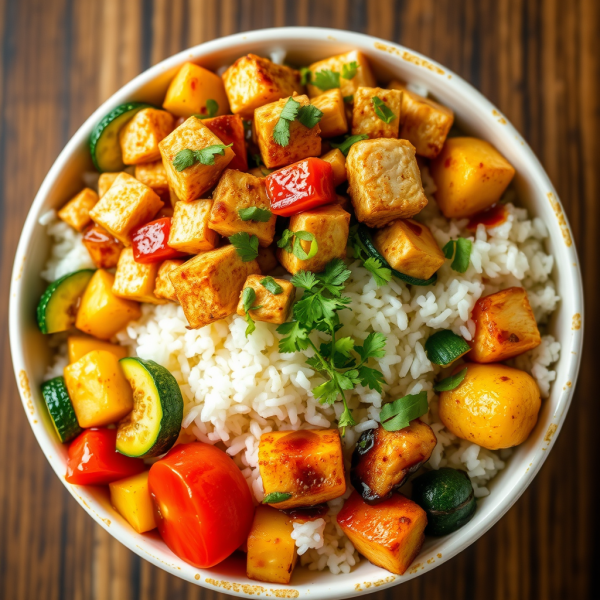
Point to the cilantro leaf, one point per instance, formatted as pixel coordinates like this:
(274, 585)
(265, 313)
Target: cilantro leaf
(271, 285)
(297, 337)
(326, 79)
(381, 274)
(206, 156)
(248, 298)
(461, 250)
(450, 383)
(373, 346)
(275, 497)
(346, 419)
(344, 346)
(286, 240)
(309, 115)
(348, 142)
(382, 110)
(448, 249)
(398, 414)
(184, 159)
(371, 378)
(326, 393)
(281, 132)
(212, 108)
(349, 70)
(255, 213)
(246, 245)
(296, 247)
(334, 276)
(290, 109)
(305, 75)
(304, 279)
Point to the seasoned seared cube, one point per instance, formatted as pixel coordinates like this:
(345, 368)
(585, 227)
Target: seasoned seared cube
(410, 248)
(153, 175)
(307, 464)
(334, 121)
(230, 130)
(163, 288)
(364, 114)
(134, 280)
(208, 286)
(237, 191)
(470, 175)
(382, 460)
(330, 225)
(363, 78)
(193, 181)
(252, 81)
(267, 259)
(131, 497)
(390, 534)
(304, 142)
(337, 160)
(140, 136)
(103, 247)
(76, 212)
(127, 204)
(505, 326)
(385, 181)
(189, 227)
(105, 181)
(271, 550)
(274, 308)
(191, 88)
(79, 345)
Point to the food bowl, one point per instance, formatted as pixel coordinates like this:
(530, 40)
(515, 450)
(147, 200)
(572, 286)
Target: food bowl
(476, 116)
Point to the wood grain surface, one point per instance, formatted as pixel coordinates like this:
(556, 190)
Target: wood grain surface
(538, 60)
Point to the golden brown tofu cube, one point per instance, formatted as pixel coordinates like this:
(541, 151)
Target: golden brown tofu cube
(364, 114)
(76, 212)
(140, 136)
(410, 248)
(470, 175)
(267, 259)
(208, 286)
(331, 104)
(237, 191)
(153, 175)
(105, 181)
(389, 534)
(192, 182)
(274, 308)
(163, 288)
(127, 204)
(307, 464)
(252, 81)
(505, 326)
(134, 280)
(337, 160)
(385, 181)
(104, 249)
(189, 227)
(304, 142)
(330, 225)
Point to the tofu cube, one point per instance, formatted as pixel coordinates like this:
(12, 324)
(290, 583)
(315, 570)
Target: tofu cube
(385, 181)
(267, 259)
(153, 175)
(252, 81)
(330, 225)
(470, 175)
(105, 181)
(80, 345)
(274, 308)
(389, 534)
(192, 182)
(303, 142)
(76, 212)
(163, 288)
(505, 326)
(189, 227)
(410, 248)
(337, 160)
(208, 286)
(332, 105)
(308, 464)
(131, 498)
(103, 248)
(134, 280)
(140, 136)
(364, 115)
(127, 204)
(191, 88)
(235, 191)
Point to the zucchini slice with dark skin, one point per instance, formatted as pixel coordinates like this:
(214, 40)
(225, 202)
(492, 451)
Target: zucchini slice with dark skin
(154, 424)
(60, 408)
(58, 305)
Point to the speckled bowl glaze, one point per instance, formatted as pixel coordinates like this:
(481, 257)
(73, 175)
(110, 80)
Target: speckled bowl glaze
(476, 116)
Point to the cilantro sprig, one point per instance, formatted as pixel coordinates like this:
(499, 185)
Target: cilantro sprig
(382, 110)
(308, 115)
(328, 79)
(212, 108)
(349, 142)
(206, 156)
(460, 249)
(305, 75)
(248, 299)
(349, 70)
(290, 242)
(246, 245)
(380, 273)
(398, 414)
(255, 213)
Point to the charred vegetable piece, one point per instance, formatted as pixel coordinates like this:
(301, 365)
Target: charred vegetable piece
(104, 249)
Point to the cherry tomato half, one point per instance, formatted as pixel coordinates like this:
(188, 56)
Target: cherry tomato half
(230, 130)
(202, 503)
(149, 242)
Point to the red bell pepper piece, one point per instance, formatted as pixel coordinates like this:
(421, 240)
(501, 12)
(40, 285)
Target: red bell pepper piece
(304, 185)
(94, 460)
(230, 130)
(149, 242)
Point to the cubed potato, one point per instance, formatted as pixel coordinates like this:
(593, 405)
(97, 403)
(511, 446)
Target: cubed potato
(389, 534)
(192, 182)
(235, 191)
(364, 76)
(267, 259)
(189, 227)
(105, 181)
(191, 88)
(505, 326)
(163, 288)
(103, 248)
(307, 464)
(98, 389)
(127, 204)
(337, 160)
(410, 248)
(153, 175)
(470, 175)
(364, 116)
(134, 280)
(79, 345)
(230, 130)
(101, 313)
(304, 142)
(208, 286)
(252, 81)
(331, 104)
(274, 308)
(131, 498)
(76, 212)
(139, 137)
(271, 550)
(385, 181)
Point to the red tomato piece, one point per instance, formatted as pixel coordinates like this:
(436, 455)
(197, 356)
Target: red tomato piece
(304, 185)
(202, 503)
(230, 130)
(94, 460)
(149, 242)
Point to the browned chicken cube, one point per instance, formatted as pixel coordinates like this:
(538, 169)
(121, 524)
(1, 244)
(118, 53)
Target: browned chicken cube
(153, 175)
(365, 118)
(134, 280)
(332, 105)
(190, 231)
(140, 136)
(163, 288)
(103, 247)
(76, 212)
(274, 308)
(105, 181)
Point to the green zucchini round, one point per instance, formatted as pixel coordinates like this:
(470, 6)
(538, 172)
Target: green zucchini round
(444, 347)
(56, 397)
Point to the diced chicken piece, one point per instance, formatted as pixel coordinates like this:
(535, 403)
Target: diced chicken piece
(139, 137)
(76, 212)
(274, 308)
(364, 115)
(337, 160)
(267, 259)
(505, 326)
(230, 130)
(189, 227)
(153, 175)
(105, 181)
(103, 247)
(134, 280)
(331, 104)
(163, 288)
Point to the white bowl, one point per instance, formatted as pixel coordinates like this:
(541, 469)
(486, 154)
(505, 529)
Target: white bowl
(476, 116)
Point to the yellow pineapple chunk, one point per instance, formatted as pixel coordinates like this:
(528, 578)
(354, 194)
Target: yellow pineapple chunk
(80, 345)
(190, 231)
(140, 136)
(364, 115)
(274, 308)
(131, 498)
(163, 288)
(334, 121)
(76, 212)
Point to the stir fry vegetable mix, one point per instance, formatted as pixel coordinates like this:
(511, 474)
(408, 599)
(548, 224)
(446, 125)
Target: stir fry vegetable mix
(194, 225)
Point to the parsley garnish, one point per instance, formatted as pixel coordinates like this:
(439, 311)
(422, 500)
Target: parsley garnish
(212, 108)
(290, 242)
(398, 414)
(450, 383)
(305, 75)
(349, 70)
(349, 99)
(271, 285)
(246, 245)
(380, 273)
(348, 142)
(186, 158)
(308, 115)
(382, 110)
(326, 79)
(248, 298)
(462, 256)
(275, 497)
(255, 213)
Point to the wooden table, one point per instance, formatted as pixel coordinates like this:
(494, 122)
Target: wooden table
(538, 60)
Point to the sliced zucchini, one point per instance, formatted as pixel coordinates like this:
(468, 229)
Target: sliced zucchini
(152, 427)
(104, 141)
(444, 347)
(58, 305)
(60, 408)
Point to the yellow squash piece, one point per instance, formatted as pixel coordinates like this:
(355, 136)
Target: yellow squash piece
(76, 212)
(131, 498)
(79, 345)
